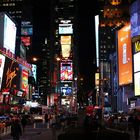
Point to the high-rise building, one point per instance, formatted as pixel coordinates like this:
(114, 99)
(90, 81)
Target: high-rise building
(60, 44)
(19, 12)
(113, 15)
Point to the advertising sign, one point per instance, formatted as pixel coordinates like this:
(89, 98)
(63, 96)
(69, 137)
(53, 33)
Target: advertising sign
(26, 40)
(65, 29)
(25, 80)
(65, 91)
(2, 62)
(124, 55)
(65, 40)
(137, 62)
(135, 18)
(66, 49)
(137, 83)
(9, 34)
(66, 71)
(11, 75)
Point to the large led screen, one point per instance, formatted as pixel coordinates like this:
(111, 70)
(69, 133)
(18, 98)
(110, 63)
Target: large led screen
(24, 81)
(137, 62)
(65, 29)
(22, 51)
(66, 49)
(66, 71)
(137, 83)
(9, 34)
(34, 71)
(97, 38)
(65, 91)
(26, 28)
(65, 40)
(124, 55)
(26, 40)
(136, 44)
(2, 63)
(135, 18)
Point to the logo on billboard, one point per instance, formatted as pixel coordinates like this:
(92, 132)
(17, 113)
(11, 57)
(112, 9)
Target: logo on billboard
(137, 46)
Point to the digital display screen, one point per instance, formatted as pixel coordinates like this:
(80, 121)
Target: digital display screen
(137, 83)
(2, 63)
(66, 71)
(125, 55)
(65, 29)
(66, 91)
(9, 34)
(137, 62)
(135, 18)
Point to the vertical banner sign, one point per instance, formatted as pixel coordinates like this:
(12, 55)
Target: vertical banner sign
(124, 55)
(25, 80)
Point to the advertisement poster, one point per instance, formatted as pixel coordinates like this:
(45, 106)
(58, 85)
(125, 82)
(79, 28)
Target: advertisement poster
(124, 55)
(135, 18)
(11, 75)
(137, 83)
(25, 80)
(66, 71)
(2, 62)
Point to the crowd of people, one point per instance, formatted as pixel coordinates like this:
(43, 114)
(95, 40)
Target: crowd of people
(121, 122)
(18, 126)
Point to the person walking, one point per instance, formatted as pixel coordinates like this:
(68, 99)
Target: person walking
(16, 130)
(136, 127)
(23, 122)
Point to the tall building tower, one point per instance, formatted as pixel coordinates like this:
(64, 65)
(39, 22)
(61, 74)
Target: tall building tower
(61, 44)
(113, 14)
(19, 12)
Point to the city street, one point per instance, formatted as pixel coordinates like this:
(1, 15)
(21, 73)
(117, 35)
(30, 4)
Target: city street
(41, 132)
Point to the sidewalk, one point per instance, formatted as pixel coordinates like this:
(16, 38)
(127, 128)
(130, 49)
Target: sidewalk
(36, 134)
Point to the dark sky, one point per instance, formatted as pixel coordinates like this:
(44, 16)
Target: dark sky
(86, 12)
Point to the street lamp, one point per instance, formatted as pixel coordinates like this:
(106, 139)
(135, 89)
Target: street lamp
(34, 59)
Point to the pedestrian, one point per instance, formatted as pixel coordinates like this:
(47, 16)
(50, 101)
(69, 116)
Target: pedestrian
(88, 123)
(16, 130)
(136, 125)
(23, 122)
(46, 118)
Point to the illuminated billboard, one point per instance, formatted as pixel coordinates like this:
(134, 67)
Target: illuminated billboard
(26, 28)
(97, 38)
(137, 62)
(34, 71)
(65, 40)
(97, 79)
(26, 40)
(136, 44)
(135, 18)
(24, 81)
(22, 51)
(66, 91)
(66, 71)
(65, 29)
(66, 49)
(124, 55)
(2, 63)
(26, 31)
(8, 33)
(137, 83)
(11, 75)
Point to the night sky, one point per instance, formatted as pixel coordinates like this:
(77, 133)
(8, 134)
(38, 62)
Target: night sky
(86, 12)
